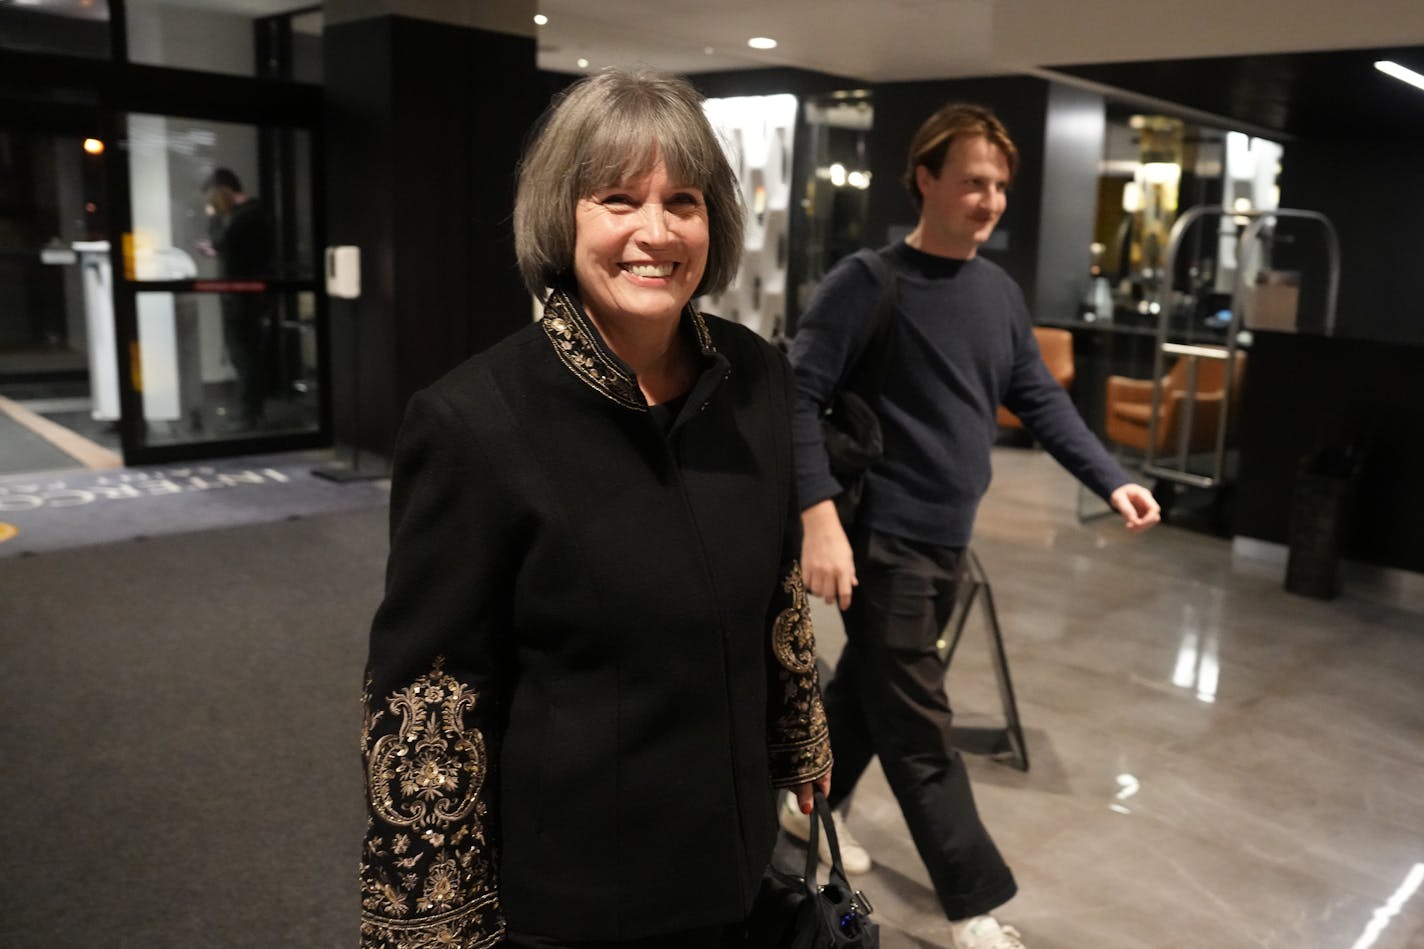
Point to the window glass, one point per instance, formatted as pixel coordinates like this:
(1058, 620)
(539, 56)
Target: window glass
(52, 205)
(221, 365)
(71, 29)
(219, 200)
(268, 39)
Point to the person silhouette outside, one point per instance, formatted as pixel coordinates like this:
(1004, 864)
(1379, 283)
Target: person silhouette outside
(238, 232)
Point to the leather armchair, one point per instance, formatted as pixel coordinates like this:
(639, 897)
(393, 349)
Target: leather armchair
(1129, 407)
(1056, 347)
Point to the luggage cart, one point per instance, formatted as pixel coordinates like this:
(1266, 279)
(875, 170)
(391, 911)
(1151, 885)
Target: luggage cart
(1176, 468)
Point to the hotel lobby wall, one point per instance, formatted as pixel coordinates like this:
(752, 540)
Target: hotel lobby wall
(1304, 393)
(425, 122)
(1373, 192)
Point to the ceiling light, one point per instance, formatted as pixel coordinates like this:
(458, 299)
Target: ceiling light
(761, 42)
(93, 146)
(1401, 73)
(540, 19)
(582, 63)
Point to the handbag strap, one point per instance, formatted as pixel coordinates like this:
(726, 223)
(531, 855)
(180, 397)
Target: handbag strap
(821, 817)
(864, 372)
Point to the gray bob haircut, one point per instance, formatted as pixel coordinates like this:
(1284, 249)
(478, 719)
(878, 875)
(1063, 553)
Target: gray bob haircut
(608, 129)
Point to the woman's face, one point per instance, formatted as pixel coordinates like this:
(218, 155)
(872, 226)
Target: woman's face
(640, 248)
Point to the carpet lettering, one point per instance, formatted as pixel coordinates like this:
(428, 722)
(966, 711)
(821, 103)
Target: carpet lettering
(33, 494)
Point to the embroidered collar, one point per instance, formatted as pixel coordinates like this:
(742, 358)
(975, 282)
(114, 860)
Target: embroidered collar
(582, 350)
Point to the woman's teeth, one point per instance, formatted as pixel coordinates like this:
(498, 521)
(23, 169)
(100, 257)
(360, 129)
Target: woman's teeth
(650, 270)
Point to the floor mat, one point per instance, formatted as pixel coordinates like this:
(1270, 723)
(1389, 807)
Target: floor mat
(63, 509)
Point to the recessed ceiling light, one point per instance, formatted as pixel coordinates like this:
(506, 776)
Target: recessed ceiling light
(761, 42)
(1401, 73)
(540, 19)
(582, 63)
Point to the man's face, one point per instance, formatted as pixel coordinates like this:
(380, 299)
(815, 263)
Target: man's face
(964, 202)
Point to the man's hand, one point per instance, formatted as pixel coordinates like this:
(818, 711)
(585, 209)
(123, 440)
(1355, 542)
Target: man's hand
(1137, 506)
(826, 562)
(805, 797)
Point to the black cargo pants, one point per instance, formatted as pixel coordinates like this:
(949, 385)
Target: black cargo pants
(888, 698)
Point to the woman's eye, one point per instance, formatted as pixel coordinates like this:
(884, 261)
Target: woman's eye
(617, 199)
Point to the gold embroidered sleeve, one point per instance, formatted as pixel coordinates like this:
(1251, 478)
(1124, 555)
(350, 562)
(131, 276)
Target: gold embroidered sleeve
(428, 867)
(798, 738)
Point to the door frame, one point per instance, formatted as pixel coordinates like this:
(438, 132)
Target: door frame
(39, 89)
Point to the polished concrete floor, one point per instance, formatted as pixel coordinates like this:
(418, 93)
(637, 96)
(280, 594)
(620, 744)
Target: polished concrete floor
(1214, 762)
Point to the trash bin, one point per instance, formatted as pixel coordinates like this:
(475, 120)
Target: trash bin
(1319, 512)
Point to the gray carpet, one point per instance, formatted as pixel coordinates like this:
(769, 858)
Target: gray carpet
(180, 721)
(57, 511)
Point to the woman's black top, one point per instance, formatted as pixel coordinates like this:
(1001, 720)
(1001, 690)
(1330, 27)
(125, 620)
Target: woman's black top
(594, 660)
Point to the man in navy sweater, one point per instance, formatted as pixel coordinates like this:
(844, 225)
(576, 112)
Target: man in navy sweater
(960, 343)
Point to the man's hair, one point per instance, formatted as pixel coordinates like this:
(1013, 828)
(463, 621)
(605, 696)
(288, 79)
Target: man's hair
(222, 178)
(611, 128)
(957, 120)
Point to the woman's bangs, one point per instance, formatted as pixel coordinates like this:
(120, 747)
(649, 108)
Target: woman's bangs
(623, 150)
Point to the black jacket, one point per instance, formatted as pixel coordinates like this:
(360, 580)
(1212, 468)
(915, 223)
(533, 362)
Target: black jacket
(594, 654)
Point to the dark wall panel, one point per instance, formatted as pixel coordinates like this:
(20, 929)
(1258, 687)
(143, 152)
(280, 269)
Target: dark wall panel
(1373, 192)
(1306, 393)
(426, 123)
(360, 201)
(1073, 139)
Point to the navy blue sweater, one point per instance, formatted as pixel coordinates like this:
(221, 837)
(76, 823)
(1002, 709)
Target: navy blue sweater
(961, 344)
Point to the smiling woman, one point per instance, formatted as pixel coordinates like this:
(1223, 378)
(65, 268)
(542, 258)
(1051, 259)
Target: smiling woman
(594, 642)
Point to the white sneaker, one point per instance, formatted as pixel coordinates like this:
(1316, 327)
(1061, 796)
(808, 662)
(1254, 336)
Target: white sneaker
(983, 932)
(854, 858)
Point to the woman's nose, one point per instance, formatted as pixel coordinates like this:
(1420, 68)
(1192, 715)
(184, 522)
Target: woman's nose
(654, 227)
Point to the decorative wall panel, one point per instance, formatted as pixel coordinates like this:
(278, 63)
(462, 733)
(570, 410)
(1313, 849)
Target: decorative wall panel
(758, 132)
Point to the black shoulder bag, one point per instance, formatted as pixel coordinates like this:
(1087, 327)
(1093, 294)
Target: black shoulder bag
(850, 427)
(792, 912)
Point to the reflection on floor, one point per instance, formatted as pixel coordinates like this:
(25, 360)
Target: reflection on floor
(1215, 762)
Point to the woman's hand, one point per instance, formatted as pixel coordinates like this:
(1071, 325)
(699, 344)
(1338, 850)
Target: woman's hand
(805, 796)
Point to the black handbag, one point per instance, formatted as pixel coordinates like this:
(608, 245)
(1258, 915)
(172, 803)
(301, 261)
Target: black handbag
(850, 428)
(793, 912)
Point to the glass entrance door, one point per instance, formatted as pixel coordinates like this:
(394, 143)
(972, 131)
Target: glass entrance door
(218, 298)
(58, 368)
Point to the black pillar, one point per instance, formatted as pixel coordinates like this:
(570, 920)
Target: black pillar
(425, 123)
